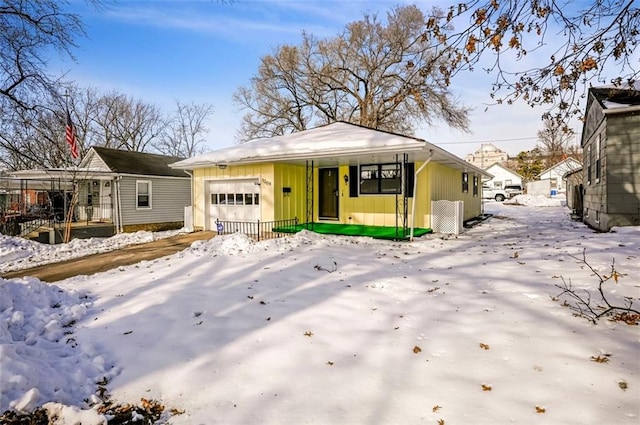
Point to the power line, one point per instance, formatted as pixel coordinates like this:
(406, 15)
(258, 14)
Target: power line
(487, 141)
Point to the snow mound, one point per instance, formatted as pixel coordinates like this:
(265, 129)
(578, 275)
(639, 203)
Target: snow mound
(40, 359)
(14, 248)
(233, 244)
(239, 243)
(534, 201)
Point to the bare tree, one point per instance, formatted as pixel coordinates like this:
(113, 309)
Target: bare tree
(84, 104)
(183, 136)
(554, 142)
(128, 124)
(587, 38)
(33, 138)
(29, 32)
(376, 75)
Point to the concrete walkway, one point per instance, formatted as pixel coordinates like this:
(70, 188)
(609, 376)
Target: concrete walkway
(109, 260)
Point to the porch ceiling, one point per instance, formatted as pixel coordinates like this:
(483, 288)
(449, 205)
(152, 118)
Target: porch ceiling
(68, 174)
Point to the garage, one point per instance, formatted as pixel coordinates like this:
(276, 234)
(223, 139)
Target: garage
(233, 200)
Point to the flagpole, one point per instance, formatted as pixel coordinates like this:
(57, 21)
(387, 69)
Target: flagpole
(70, 139)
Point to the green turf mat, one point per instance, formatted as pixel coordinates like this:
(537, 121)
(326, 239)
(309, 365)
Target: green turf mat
(378, 232)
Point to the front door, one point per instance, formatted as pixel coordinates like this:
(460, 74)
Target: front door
(329, 193)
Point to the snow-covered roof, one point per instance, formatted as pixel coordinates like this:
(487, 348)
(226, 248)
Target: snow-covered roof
(618, 99)
(338, 142)
(567, 164)
(498, 165)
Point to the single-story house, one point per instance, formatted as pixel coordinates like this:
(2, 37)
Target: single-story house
(554, 174)
(502, 176)
(338, 173)
(611, 158)
(573, 181)
(115, 191)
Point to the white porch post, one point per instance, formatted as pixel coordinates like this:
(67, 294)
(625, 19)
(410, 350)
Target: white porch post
(415, 191)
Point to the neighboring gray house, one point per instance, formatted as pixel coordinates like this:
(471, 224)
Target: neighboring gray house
(115, 191)
(147, 194)
(611, 158)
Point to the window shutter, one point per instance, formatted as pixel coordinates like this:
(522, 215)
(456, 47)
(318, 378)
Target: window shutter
(353, 181)
(409, 182)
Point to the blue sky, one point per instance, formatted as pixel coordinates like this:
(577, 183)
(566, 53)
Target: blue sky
(203, 50)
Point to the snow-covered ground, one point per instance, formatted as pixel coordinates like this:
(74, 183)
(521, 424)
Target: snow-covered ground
(338, 330)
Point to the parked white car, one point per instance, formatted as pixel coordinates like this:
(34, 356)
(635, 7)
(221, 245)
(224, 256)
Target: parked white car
(492, 193)
(513, 190)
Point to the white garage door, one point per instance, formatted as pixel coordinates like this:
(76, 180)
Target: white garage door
(233, 200)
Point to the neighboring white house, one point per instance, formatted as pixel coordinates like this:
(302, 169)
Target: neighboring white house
(502, 176)
(554, 174)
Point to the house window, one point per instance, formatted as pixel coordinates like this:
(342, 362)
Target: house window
(589, 161)
(465, 182)
(475, 185)
(143, 194)
(376, 179)
(235, 199)
(598, 146)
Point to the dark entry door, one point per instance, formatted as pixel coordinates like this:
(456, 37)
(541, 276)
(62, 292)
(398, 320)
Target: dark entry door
(329, 193)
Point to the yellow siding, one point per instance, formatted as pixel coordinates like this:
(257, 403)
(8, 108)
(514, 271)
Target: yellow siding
(435, 182)
(445, 183)
(377, 210)
(289, 205)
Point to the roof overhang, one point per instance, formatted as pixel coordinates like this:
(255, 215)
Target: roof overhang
(64, 174)
(330, 145)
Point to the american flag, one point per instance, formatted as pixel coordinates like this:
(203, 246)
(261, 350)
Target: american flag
(70, 134)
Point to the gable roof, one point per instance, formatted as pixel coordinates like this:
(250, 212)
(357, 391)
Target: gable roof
(509, 170)
(329, 144)
(610, 97)
(129, 162)
(568, 164)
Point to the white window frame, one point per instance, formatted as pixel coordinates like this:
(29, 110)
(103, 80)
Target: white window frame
(598, 163)
(150, 194)
(589, 161)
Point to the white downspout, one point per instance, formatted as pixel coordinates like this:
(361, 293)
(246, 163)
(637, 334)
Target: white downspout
(119, 203)
(193, 207)
(415, 191)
